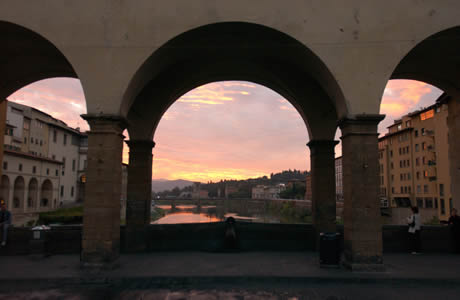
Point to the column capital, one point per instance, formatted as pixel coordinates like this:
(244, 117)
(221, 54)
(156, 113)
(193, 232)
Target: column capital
(105, 123)
(140, 144)
(360, 125)
(363, 119)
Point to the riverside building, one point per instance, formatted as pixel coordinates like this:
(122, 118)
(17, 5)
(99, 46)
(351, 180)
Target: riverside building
(414, 164)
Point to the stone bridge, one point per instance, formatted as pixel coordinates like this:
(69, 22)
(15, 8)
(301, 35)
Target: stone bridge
(330, 59)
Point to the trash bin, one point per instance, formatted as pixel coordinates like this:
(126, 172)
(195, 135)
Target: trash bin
(329, 249)
(37, 243)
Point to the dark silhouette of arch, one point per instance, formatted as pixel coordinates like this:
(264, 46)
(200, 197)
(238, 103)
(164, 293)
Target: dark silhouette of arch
(18, 193)
(30, 57)
(33, 193)
(46, 194)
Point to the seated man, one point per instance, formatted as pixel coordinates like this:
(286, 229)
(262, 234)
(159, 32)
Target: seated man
(5, 221)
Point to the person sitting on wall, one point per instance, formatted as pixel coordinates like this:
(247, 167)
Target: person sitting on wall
(454, 224)
(414, 223)
(5, 221)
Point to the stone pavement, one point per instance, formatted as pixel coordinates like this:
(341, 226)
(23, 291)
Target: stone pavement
(248, 275)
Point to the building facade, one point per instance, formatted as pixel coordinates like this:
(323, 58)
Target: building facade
(267, 192)
(414, 164)
(41, 164)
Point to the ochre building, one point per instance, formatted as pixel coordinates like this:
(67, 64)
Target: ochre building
(414, 164)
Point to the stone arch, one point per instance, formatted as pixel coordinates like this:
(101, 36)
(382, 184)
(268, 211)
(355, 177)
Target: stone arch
(33, 193)
(31, 57)
(18, 193)
(46, 193)
(434, 60)
(5, 189)
(234, 51)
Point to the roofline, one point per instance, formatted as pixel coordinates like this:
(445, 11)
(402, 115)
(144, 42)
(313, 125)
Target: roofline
(27, 155)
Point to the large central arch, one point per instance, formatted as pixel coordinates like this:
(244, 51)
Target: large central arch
(234, 51)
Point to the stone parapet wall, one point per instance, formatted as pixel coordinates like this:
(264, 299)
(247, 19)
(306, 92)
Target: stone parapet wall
(210, 237)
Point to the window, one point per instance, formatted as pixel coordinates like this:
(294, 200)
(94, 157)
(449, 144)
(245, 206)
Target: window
(5, 165)
(416, 133)
(391, 165)
(417, 148)
(419, 189)
(53, 156)
(399, 126)
(429, 202)
(36, 141)
(85, 164)
(401, 177)
(408, 163)
(417, 162)
(65, 139)
(423, 160)
(450, 204)
(391, 153)
(441, 190)
(423, 146)
(71, 192)
(57, 173)
(417, 175)
(402, 190)
(422, 131)
(47, 171)
(392, 190)
(392, 178)
(425, 174)
(427, 115)
(31, 140)
(63, 162)
(408, 176)
(73, 165)
(62, 191)
(34, 169)
(41, 142)
(443, 206)
(54, 136)
(25, 140)
(26, 125)
(425, 188)
(20, 167)
(435, 202)
(408, 123)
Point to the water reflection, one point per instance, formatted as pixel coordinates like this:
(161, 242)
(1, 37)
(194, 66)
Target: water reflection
(186, 217)
(243, 210)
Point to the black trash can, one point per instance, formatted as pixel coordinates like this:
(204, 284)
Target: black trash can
(329, 249)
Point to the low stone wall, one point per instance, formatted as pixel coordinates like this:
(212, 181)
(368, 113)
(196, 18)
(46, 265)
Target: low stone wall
(210, 237)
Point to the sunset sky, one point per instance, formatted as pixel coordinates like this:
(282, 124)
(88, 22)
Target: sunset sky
(223, 130)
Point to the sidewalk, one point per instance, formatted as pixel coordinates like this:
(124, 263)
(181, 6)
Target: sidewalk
(258, 271)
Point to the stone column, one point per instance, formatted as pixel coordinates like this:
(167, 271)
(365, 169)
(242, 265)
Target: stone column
(453, 123)
(101, 213)
(362, 220)
(323, 185)
(139, 194)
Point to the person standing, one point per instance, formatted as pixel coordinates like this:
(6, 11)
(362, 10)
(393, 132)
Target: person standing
(454, 224)
(414, 230)
(5, 221)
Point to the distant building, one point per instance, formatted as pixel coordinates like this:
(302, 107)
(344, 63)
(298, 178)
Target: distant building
(267, 192)
(414, 165)
(198, 193)
(230, 189)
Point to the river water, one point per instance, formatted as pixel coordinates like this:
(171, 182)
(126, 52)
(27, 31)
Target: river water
(241, 210)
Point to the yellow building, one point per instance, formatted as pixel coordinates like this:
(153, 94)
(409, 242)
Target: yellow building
(414, 165)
